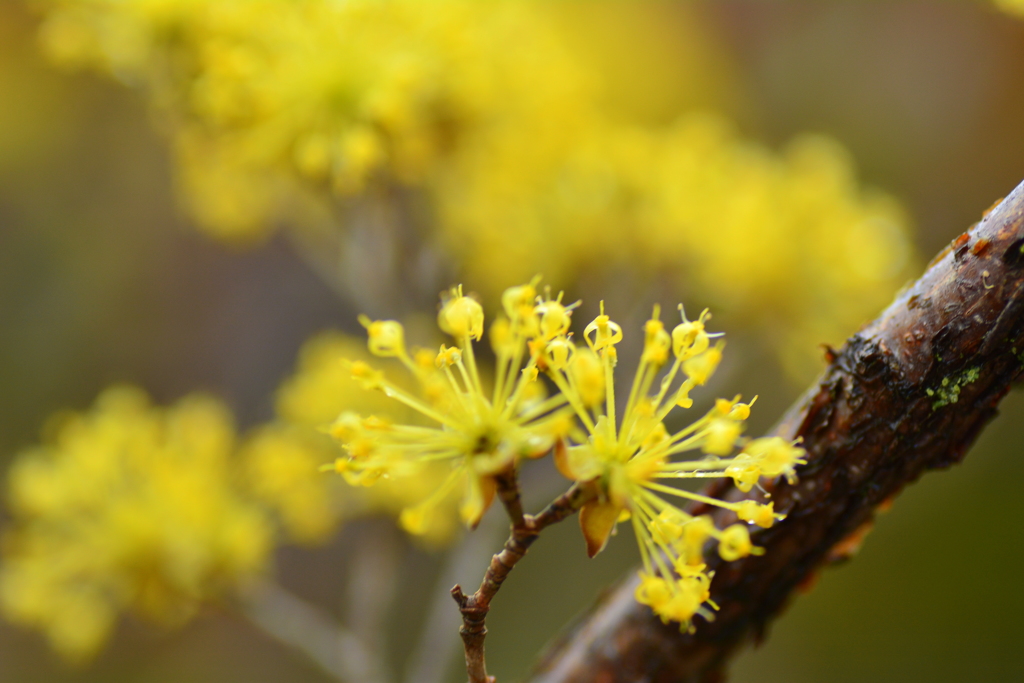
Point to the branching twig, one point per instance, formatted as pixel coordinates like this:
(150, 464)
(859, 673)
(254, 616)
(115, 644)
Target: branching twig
(908, 393)
(525, 530)
(436, 647)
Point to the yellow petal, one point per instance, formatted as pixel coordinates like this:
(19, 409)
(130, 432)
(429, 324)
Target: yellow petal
(561, 457)
(477, 501)
(597, 520)
(490, 489)
(471, 509)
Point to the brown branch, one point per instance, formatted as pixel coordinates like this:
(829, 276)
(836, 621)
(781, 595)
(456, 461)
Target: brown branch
(908, 393)
(507, 484)
(432, 654)
(525, 530)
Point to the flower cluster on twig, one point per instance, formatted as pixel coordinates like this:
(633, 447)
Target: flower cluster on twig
(622, 459)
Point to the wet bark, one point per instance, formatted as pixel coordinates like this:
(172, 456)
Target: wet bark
(908, 393)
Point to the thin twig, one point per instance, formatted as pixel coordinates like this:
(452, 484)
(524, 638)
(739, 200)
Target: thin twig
(436, 648)
(306, 628)
(508, 493)
(567, 504)
(525, 530)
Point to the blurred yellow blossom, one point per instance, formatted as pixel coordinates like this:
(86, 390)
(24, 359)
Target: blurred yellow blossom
(280, 464)
(1015, 7)
(309, 503)
(526, 157)
(127, 507)
(322, 386)
(131, 507)
(268, 99)
(788, 243)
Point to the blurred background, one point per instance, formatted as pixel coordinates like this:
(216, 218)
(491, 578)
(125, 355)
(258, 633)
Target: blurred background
(189, 194)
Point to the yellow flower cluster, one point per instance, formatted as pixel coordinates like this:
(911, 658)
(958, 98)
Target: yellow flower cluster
(788, 242)
(271, 99)
(484, 433)
(630, 455)
(131, 507)
(276, 106)
(127, 507)
(479, 433)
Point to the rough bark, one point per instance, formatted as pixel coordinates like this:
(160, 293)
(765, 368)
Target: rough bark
(908, 393)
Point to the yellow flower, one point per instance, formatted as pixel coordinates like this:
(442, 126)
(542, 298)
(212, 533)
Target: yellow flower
(761, 515)
(766, 457)
(127, 507)
(628, 457)
(481, 433)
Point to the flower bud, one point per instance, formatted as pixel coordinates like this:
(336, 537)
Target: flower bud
(734, 543)
(558, 353)
(462, 317)
(386, 338)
